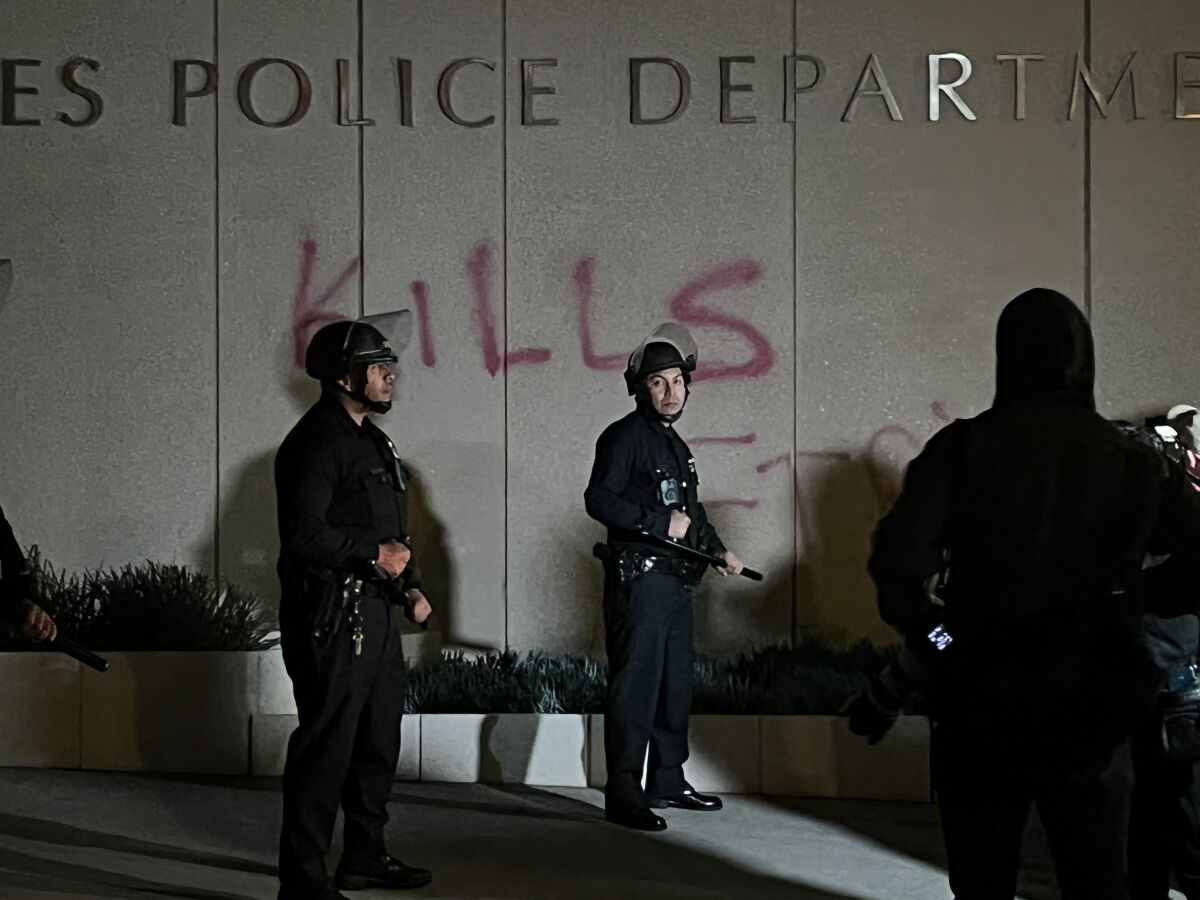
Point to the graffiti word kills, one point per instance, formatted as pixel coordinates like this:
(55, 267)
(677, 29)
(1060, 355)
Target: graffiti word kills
(691, 305)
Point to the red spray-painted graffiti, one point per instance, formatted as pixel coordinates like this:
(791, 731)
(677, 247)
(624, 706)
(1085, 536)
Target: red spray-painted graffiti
(599, 362)
(735, 439)
(763, 467)
(884, 459)
(310, 313)
(479, 267)
(887, 452)
(420, 292)
(686, 307)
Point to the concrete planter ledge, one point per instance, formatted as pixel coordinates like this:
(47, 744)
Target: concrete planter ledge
(181, 712)
(809, 756)
(232, 714)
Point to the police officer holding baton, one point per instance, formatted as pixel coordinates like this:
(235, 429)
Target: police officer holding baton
(644, 489)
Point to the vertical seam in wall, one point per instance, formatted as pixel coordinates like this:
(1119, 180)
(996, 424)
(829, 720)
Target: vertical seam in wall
(217, 298)
(793, 593)
(504, 266)
(1087, 168)
(362, 195)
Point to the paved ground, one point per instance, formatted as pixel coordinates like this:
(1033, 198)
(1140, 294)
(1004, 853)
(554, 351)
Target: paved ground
(87, 834)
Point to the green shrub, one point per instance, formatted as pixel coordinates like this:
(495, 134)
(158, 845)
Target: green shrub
(810, 677)
(151, 606)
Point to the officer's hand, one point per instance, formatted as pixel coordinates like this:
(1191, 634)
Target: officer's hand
(680, 523)
(37, 625)
(419, 604)
(733, 565)
(393, 558)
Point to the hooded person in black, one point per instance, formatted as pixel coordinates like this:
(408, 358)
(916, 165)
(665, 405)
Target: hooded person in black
(1037, 516)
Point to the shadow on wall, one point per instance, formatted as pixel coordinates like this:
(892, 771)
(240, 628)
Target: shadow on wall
(840, 499)
(304, 391)
(725, 603)
(585, 575)
(775, 593)
(247, 528)
(506, 745)
(249, 533)
(431, 553)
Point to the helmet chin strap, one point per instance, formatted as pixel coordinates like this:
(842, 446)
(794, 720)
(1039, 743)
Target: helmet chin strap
(357, 393)
(643, 396)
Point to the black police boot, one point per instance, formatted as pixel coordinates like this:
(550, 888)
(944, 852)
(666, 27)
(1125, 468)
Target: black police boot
(639, 818)
(382, 871)
(688, 798)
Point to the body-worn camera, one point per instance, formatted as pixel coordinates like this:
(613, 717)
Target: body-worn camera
(668, 488)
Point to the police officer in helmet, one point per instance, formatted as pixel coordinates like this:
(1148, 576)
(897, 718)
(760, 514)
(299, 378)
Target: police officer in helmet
(644, 485)
(345, 568)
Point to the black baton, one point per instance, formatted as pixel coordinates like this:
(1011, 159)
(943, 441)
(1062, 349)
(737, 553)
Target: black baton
(79, 652)
(698, 555)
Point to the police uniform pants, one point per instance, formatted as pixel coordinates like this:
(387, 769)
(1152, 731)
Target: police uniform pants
(346, 746)
(648, 637)
(1164, 827)
(988, 781)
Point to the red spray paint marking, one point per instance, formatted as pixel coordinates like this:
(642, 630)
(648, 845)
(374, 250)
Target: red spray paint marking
(420, 292)
(686, 307)
(938, 408)
(783, 460)
(600, 362)
(739, 504)
(825, 456)
(479, 268)
(310, 314)
(735, 439)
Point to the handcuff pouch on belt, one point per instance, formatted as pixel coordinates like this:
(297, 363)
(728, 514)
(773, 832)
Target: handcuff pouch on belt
(628, 564)
(338, 602)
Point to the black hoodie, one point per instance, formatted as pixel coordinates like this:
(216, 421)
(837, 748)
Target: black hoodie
(1044, 511)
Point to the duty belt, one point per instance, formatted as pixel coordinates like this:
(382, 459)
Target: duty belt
(336, 597)
(629, 564)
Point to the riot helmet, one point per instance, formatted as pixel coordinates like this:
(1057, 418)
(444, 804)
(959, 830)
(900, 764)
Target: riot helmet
(345, 350)
(669, 346)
